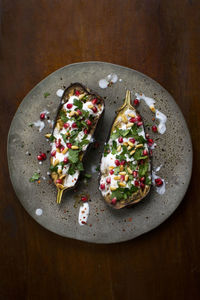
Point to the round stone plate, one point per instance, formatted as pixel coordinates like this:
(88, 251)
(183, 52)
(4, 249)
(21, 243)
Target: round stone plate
(105, 225)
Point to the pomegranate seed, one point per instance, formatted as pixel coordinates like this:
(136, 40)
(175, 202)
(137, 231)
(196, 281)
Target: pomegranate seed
(69, 105)
(147, 135)
(111, 172)
(141, 162)
(120, 139)
(85, 131)
(59, 181)
(139, 118)
(79, 112)
(114, 201)
(77, 93)
(136, 183)
(122, 162)
(66, 125)
(94, 109)
(158, 182)
(135, 102)
(53, 153)
(42, 116)
(84, 199)
(69, 145)
(145, 152)
(154, 128)
(151, 152)
(117, 162)
(133, 120)
(139, 124)
(108, 180)
(142, 179)
(94, 101)
(88, 122)
(74, 125)
(39, 157)
(142, 185)
(102, 186)
(132, 140)
(135, 173)
(43, 156)
(62, 148)
(150, 141)
(122, 178)
(66, 160)
(58, 143)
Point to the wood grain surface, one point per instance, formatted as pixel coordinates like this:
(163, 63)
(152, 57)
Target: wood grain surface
(160, 38)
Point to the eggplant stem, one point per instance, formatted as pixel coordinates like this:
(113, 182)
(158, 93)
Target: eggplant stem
(127, 101)
(128, 98)
(59, 196)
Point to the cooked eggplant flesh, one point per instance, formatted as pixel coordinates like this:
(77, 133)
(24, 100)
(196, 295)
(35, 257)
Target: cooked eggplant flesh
(76, 122)
(125, 165)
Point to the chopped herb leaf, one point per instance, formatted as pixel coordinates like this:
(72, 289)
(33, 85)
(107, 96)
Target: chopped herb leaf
(46, 94)
(52, 138)
(63, 117)
(147, 181)
(30, 125)
(35, 177)
(97, 169)
(143, 169)
(84, 142)
(73, 136)
(116, 170)
(78, 103)
(106, 150)
(64, 137)
(73, 156)
(53, 168)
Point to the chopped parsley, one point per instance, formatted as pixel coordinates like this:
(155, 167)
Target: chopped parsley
(35, 177)
(46, 95)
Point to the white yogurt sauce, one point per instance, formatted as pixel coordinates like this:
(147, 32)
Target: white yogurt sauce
(162, 121)
(159, 189)
(111, 78)
(83, 213)
(149, 101)
(59, 92)
(159, 115)
(40, 124)
(38, 211)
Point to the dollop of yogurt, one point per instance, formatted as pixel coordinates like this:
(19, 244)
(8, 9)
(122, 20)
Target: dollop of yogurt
(83, 213)
(111, 78)
(59, 92)
(40, 124)
(162, 121)
(39, 212)
(159, 189)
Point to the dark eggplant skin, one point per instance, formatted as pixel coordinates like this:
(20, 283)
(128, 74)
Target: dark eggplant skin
(139, 195)
(69, 91)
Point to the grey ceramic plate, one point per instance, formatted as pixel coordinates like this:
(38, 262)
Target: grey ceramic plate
(173, 152)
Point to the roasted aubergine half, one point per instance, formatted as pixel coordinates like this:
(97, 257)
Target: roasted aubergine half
(78, 115)
(125, 164)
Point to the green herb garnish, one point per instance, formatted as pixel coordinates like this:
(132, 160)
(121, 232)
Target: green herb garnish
(35, 177)
(46, 95)
(73, 156)
(78, 103)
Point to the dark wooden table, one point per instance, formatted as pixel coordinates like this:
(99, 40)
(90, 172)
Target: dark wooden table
(159, 38)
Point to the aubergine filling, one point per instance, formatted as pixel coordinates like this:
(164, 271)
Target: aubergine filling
(71, 136)
(125, 165)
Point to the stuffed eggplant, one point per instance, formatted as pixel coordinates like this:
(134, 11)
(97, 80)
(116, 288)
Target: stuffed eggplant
(125, 164)
(76, 121)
